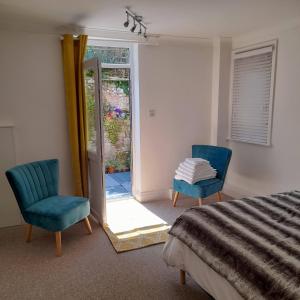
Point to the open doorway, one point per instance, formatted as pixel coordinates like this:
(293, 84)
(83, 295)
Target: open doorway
(127, 222)
(116, 116)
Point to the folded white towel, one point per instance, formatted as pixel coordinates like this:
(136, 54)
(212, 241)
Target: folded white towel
(196, 169)
(180, 171)
(196, 161)
(193, 170)
(196, 172)
(192, 165)
(193, 181)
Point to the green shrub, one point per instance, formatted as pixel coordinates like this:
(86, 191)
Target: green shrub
(124, 160)
(113, 128)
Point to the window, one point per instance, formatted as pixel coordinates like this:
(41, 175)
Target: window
(108, 55)
(252, 94)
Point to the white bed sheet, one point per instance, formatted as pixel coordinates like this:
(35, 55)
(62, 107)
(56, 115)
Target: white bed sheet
(177, 254)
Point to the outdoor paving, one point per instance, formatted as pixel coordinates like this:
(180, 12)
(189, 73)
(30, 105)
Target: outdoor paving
(118, 185)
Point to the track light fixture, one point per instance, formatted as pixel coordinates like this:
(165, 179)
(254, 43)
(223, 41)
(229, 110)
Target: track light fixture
(133, 27)
(137, 20)
(126, 23)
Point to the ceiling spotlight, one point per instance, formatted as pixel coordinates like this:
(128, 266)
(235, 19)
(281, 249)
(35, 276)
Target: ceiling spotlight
(127, 22)
(133, 27)
(137, 20)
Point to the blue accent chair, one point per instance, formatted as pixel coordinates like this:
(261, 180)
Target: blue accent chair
(219, 158)
(35, 186)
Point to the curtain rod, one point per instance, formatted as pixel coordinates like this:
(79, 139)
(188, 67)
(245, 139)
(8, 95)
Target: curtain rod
(75, 36)
(119, 40)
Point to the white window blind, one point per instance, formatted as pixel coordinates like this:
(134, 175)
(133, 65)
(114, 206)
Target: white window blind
(252, 95)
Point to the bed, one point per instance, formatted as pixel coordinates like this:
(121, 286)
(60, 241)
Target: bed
(240, 249)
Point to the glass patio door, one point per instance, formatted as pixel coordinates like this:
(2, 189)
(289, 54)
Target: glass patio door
(92, 78)
(117, 131)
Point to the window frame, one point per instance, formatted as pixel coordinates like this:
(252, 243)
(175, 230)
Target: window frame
(113, 44)
(244, 50)
(118, 44)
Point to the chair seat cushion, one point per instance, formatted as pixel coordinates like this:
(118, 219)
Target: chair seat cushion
(58, 212)
(202, 188)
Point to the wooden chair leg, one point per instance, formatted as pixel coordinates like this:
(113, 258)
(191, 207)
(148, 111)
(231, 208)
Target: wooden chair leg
(58, 243)
(87, 225)
(200, 201)
(29, 233)
(219, 196)
(182, 277)
(175, 198)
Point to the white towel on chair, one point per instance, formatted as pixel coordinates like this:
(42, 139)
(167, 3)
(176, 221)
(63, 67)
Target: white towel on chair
(192, 181)
(196, 161)
(192, 175)
(193, 170)
(200, 169)
(195, 165)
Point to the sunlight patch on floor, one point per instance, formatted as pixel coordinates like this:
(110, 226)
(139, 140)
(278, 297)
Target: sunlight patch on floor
(129, 214)
(130, 225)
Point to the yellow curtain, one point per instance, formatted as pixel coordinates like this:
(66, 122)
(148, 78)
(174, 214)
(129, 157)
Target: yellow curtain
(73, 56)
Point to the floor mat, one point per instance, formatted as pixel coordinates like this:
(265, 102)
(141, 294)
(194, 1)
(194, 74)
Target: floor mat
(130, 225)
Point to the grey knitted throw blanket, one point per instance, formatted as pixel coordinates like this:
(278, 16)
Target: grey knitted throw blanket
(254, 243)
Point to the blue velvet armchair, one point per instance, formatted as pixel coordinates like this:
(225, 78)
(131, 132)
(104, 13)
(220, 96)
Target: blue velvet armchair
(219, 158)
(35, 186)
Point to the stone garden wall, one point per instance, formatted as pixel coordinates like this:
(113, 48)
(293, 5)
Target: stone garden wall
(117, 126)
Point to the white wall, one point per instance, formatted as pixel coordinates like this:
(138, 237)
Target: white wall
(9, 211)
(220, 90)
(175, 81)
(216, 64)
(32, 99)
(262, 170)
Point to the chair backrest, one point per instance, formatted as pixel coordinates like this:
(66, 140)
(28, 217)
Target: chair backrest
(219, 157)
(33, 182)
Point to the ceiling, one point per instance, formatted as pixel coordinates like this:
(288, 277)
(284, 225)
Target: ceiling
(198, 18)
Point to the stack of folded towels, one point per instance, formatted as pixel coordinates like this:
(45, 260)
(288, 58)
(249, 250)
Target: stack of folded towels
(193, 170)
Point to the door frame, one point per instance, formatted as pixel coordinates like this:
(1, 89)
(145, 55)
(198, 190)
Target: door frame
(135, 108)
(95, 156)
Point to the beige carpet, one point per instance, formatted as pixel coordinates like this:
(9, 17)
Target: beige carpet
(89, 267)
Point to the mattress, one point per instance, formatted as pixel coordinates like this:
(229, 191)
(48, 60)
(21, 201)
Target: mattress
(177, 254)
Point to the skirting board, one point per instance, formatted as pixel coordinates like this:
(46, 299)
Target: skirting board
(236, 192)
(228, 189)
(152, 195)
(95, 217)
